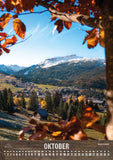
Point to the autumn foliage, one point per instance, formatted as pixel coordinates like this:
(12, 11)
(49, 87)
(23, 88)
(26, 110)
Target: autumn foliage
(64, 130)
(15, 8)
(60, 11)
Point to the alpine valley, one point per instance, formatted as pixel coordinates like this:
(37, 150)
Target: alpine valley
(63, 71)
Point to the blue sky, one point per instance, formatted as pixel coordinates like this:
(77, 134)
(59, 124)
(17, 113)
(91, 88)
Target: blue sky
(40, 43)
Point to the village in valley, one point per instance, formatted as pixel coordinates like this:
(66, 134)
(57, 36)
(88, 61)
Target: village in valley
(18, 86)
(45, 103)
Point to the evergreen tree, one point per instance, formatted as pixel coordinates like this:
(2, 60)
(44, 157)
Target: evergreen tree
(71, 111)
(96, 108)
(5, 99)
(56, 101)
(70, 100)
(60, 109)
(79, 109)
(22, 101)
(91, 104)
(53, 105)
(77, 102)
(86, 101)
(33, 101)
(49, 101)
(10, 103)
(1, 101)
(65, 109)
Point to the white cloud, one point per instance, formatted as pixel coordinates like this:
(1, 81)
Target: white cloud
(32, 30)
(36, 29)
(43, 29)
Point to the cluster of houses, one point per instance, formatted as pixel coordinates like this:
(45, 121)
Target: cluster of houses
(42, 93)
(27, 87)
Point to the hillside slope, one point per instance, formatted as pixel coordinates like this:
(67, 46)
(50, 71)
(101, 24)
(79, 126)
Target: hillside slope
(85, 74)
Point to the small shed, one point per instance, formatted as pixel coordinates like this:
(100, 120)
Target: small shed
(43, 113)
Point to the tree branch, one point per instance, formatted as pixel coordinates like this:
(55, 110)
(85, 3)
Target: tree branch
(33, 12)
(78, 18)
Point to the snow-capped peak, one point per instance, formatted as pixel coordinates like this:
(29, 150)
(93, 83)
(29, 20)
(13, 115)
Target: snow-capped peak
(59, 60)
(15, 68)
(10, 69)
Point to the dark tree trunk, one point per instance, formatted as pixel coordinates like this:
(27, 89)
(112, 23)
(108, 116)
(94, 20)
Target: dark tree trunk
(107, 12)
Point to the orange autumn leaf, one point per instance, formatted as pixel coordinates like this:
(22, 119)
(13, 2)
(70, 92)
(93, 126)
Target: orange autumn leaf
(28, 4)
(6, 50)
(67, 24)
(62, 122)
(9, 5)
(59, 24)
(91, 38)
(57, 133)
(63, 7)
(33, 121)
(2, 34)
(72, 126)
(15, 2)
(53, 127)
(19, 27)
(88, 117)
(94, 118)
(1, 3)
(4, 19)
(22, 132)
(15, 16)
(40, 127)
(18, 9)
(12, 41)
(1, 52)
(74, 130)
(70, 131)
(2, 38)
(53, 17)
(98, 127)
(58, 137)
(101, 37)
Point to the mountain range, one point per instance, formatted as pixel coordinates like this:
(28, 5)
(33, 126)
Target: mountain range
(10, 69)
(63, 71)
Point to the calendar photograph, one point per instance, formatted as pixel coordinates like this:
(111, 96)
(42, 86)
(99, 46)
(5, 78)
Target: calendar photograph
(56, 79)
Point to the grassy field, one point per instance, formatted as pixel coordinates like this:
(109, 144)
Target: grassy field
(92, 134)
(45, 87)
(10, 125)
(6, 82)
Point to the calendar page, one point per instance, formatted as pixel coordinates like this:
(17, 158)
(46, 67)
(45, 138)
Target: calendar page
(56, 150)
(56, 79)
